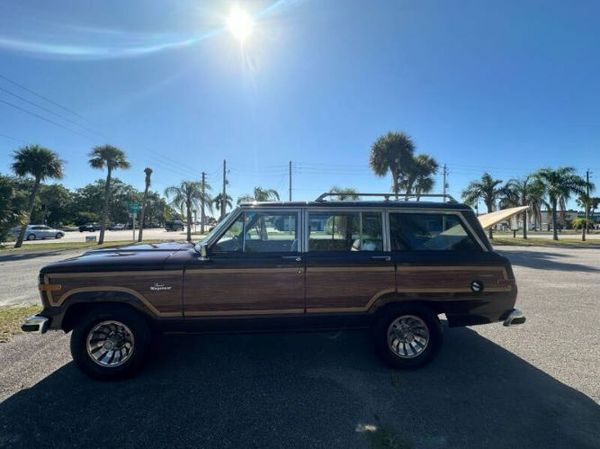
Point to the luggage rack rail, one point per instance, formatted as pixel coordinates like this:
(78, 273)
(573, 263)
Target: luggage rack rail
(402, 196)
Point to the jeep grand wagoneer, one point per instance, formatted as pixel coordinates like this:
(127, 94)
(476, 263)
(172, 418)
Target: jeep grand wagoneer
(391, 266)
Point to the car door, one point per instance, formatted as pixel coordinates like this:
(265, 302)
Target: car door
(438, 255)
(44, 232)
(254, 267)
(348, 265)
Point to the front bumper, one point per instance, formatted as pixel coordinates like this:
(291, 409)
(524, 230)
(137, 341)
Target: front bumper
(514, 317)
(36, 323)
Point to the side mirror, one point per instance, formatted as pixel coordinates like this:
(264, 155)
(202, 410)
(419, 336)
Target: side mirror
(203, 251)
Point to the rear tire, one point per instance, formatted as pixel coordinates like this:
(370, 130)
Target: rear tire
(110, 343)
(31, 237)
(59, 235)
(407, 336)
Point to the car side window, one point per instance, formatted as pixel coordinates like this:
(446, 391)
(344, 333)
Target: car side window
(345, 231)
(261, 232)
(429, 232)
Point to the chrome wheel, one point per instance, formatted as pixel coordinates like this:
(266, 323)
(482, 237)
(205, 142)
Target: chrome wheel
(110, 343)
(408, 336)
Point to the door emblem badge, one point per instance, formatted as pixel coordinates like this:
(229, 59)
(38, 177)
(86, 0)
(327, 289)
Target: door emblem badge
(157, 287)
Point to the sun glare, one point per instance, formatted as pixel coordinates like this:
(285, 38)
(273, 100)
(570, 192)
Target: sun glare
(240, 23)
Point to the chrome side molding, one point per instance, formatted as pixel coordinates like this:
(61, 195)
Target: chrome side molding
(514, 317)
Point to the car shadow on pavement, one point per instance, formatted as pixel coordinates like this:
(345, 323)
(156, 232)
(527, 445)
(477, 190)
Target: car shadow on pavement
(26, 255)
(545, 261)
(305, 390)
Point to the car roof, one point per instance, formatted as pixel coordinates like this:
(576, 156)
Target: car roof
(359, 204)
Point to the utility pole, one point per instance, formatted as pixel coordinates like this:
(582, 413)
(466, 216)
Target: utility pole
(290, 174)
(202, 215)
(586, 205)
(224, 191)
(445, 181)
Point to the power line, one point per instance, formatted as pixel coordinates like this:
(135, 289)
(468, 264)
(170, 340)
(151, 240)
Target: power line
(60, 125)
(48, 111)
(41, 96)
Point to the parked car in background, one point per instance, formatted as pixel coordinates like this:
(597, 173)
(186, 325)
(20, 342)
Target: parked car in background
(34, 232)
(89, 227)
(117, 227)
(174, 225)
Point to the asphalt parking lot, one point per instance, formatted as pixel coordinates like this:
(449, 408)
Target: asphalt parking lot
(532, 386)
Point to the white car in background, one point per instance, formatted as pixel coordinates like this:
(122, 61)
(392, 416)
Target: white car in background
(34, 232)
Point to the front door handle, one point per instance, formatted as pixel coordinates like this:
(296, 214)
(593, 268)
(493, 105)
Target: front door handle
(383, 258)
(294, 258)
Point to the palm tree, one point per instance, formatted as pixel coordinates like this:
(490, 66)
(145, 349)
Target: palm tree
(41, 163)
(425, 167)
(392, 153)
(486, 189)
(112, 158)
(521, 192)
(216, 202)
(148, 173)
(559, 184)
(418, 177)
(185, 197)
(260, 194)
(345, 193)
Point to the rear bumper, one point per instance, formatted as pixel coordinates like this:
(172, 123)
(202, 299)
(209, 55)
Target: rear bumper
(514, 318)
(36, 324)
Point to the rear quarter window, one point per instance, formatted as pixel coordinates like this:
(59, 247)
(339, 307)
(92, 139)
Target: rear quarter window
(430, 232)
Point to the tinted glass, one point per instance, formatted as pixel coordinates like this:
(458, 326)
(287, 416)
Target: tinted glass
(345, 231)
(429, 232)
(261, 232)
(267, 232)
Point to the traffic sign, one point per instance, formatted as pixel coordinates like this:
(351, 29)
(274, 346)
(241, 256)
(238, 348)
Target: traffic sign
(134, 207)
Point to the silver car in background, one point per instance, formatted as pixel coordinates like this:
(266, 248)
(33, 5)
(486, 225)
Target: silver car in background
(34, 232)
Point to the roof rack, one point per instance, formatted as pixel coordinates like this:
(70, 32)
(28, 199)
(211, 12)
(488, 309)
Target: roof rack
(402, 196)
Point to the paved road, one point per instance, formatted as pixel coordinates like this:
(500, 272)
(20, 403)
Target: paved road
(19, 272)
(114, 236)
(534, 386)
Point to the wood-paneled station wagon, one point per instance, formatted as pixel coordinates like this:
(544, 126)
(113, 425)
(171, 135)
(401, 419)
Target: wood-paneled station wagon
(389, 265)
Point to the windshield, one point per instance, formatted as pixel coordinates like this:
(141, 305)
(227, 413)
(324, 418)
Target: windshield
(214, 231)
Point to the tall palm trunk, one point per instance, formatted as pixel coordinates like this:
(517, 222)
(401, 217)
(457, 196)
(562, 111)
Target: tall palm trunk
(525, 223)
(143, 214)
(106, 205)
(36, 186)
(188, 205)
(395, 175)
(490, 208)
(554, 221)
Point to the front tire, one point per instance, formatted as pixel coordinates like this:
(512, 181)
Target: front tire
(59, 235)
(110, 343)
(31, 237)
(407, 336)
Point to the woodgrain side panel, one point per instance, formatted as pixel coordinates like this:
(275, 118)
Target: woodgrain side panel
(160, 291)
(346, 287)
(432, 279)
(243, 291)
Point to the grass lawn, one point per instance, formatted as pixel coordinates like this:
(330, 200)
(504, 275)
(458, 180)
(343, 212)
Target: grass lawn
(66, 245)
(11, 319)
(532, 241)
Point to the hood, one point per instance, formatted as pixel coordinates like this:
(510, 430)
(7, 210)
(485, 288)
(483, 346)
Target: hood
(148, 256)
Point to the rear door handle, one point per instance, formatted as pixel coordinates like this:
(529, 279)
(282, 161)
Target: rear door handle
(383, 258)
(294, 258)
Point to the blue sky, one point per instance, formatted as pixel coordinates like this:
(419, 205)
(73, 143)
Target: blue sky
(506, 87)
